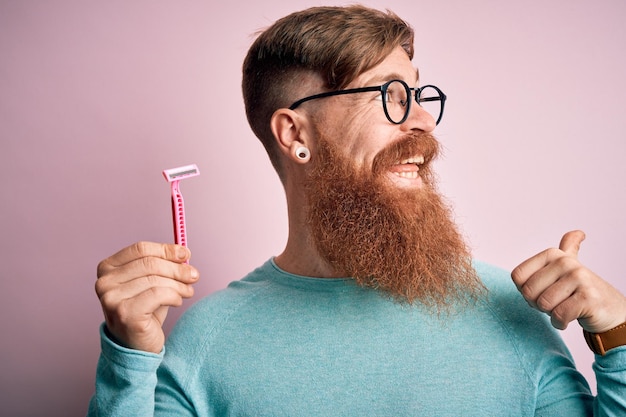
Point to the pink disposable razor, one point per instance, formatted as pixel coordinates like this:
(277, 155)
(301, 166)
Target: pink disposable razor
(173, 176)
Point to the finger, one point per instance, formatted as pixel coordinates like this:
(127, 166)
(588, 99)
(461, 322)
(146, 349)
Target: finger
(540, 281)
(555, 293)
(571, 241)
(146, 268)
(137, 322)
(145, 304)
(524, 271)
(115, 295)
(567, 311)
(570, 244)
(161, 313)
(168, 251)
(146, 272)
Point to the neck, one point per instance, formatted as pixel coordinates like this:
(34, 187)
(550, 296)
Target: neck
(297, 259)
(300, 256)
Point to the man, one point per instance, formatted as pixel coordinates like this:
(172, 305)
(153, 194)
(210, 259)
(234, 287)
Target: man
(374, 307)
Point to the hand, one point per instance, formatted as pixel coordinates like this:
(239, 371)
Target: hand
(137, 285)
(555, 282)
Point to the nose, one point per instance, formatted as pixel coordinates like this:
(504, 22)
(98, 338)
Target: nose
(420, 119)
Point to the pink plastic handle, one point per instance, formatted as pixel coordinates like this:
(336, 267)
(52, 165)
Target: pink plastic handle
(178, 214)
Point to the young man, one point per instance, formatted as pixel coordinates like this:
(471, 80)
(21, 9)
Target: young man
(374, 307)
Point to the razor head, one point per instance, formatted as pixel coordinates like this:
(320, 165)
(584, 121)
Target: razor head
(180, 173)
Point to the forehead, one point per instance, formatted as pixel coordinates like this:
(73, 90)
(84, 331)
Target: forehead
(396, 65)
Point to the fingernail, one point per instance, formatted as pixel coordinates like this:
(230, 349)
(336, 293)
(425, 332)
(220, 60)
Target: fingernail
(194, 274)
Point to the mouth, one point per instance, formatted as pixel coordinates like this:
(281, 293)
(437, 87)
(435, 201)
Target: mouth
(406, 162)
(408, 169)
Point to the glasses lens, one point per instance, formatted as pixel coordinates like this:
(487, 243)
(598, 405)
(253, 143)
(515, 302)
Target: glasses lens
(396, 101)
(430, 100)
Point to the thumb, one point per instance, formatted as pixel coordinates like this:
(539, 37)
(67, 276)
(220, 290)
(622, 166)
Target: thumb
(570, 242)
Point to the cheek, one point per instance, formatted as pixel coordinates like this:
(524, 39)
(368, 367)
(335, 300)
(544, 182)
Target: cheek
(362, 135)
(358, 133)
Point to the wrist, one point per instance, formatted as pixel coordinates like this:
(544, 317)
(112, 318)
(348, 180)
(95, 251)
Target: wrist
(600, 343)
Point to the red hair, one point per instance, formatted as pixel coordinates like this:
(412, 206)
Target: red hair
(336, 43)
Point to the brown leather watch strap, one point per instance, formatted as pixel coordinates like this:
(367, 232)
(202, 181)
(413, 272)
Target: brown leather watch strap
(600, 343)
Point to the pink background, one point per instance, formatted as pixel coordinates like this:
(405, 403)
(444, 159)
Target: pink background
(96, 98)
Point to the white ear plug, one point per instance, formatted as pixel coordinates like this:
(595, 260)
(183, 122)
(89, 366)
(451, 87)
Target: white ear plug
(303, 153)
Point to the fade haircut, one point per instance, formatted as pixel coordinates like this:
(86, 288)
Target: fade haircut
(335, 43)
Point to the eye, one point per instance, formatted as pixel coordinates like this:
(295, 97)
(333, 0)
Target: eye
(397, 94)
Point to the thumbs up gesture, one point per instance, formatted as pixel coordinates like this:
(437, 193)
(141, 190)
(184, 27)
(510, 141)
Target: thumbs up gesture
(555, 282)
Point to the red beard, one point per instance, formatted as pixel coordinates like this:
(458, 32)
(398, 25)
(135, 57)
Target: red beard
(400, 241)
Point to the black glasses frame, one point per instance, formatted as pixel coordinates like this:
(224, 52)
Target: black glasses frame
(383, 90)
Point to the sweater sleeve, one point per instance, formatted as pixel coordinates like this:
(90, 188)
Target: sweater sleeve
(125, 382)
(561, 389)
(610, 373)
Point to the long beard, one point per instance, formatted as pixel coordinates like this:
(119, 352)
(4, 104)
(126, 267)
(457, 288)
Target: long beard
(400, 241)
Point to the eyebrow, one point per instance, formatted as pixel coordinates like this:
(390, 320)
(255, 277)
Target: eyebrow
(387, 77)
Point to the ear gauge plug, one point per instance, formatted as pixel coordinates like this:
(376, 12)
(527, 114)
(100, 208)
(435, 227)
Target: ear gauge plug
(303, 153)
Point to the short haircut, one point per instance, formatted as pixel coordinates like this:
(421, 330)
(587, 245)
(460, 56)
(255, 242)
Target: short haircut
(336, 43)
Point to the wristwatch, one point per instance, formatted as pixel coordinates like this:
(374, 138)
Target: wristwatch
(600, 343)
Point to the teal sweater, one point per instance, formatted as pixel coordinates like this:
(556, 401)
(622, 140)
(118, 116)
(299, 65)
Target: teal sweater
(276, 344)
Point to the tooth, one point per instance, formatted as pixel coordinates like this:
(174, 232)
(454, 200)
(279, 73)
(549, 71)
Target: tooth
(408, 175)
(416, 160)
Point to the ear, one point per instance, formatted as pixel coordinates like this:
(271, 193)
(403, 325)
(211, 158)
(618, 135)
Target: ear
(290, 129)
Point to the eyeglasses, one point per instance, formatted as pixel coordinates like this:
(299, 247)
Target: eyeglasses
(396, 98)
